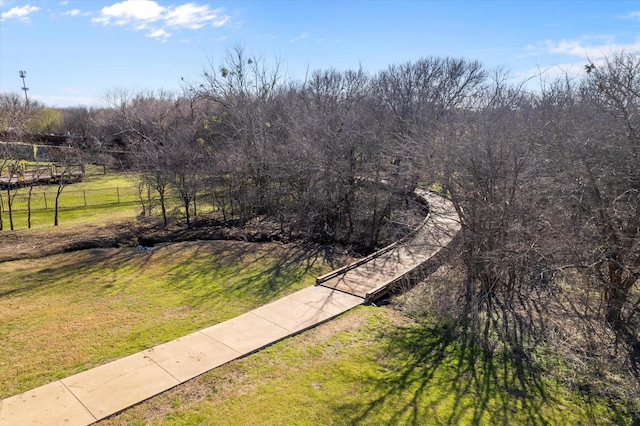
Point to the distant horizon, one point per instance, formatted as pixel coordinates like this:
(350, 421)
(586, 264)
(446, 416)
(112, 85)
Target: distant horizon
(75, 52)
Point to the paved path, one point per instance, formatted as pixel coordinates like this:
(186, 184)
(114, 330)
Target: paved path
(370, 279)
(92, 395)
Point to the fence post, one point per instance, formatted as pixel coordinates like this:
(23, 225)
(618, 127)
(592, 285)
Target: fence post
(45, 201)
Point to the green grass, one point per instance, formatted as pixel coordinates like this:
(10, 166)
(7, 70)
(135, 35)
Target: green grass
(368, 367)
(99, 198)
(73, 217)
(67, 313)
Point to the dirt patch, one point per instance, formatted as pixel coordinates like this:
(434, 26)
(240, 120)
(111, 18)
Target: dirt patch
(32, 244)
(146, 232)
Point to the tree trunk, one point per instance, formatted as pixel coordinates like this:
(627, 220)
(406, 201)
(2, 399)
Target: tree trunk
(1, 211)
(617, 292)
(55, 216)
(10, 205)
(29, 206)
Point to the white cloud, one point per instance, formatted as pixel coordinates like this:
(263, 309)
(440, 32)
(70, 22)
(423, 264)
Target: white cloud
(632, 15)
(567, 57)
(149, 15)
(300, 37)
(130, 12)
(20, 13)
(588, 47)
(75, 12)
(159, 34)
(195, 16)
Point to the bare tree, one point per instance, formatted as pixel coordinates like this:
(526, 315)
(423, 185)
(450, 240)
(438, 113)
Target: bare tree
(416, 97)
(241, 93)
(161, 129)
(186, 164)
(145, 119)
(6, 168)
(15, 114)
(486, 161)
(14, 176)
(602, 136)
(66, 170)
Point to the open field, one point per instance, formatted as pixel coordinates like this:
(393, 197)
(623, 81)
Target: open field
(66, 313)
(98, 198)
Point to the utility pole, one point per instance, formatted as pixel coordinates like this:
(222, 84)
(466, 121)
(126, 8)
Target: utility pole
(23, 75)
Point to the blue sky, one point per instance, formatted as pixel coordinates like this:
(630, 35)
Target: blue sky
(75, 52)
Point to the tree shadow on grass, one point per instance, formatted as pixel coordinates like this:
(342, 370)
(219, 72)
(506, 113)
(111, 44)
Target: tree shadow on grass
(274, 276)
(433, 375)
(200, 271)
(61, 271)
(261, 272)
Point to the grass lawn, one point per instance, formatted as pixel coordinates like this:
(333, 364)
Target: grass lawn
(99, 198)
(66, 313)
(370, 366)
(99, 192)
(73, 217)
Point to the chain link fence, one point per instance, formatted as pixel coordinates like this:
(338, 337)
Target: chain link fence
(45, 200)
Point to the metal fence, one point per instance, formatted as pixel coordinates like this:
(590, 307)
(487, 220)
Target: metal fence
(45, 200)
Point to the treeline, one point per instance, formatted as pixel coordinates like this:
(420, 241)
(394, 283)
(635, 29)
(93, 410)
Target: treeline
(545, 179)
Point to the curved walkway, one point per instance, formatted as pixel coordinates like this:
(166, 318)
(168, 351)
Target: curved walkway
(373, 276)
(87, 397)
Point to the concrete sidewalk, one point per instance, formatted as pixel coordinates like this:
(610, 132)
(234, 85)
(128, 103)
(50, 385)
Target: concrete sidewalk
(92, 395)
